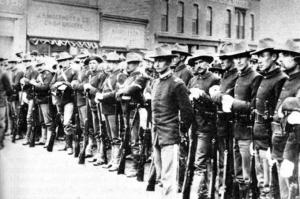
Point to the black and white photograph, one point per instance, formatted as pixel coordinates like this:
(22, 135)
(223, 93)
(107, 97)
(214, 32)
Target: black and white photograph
(149, 99)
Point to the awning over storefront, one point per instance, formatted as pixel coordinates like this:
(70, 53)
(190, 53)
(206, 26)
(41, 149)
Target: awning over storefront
(62, 42)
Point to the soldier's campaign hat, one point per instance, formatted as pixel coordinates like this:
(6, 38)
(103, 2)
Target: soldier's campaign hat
(163, 51)
(26, 58)
(64, 56)
(266, 44)
(225, 50)
(39, 62)
(181, 49)
(201, 54)
(240, 49)
(34, 53)
(113, 57)
(289, 46)
(94, 57)
(82, 56)
(133, 57)
(13, 61)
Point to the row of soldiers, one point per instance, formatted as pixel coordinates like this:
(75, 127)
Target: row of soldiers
(230, 132)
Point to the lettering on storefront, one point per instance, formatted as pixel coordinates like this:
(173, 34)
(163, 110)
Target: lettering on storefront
(123, 35)
(12, 6)
(236, 3)
(60, 21)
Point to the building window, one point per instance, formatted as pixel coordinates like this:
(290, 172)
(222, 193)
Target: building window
(195, 20)
(209, 21)
(180, 18)
(252, 27)
(240, 26)
(165, 16)
(228, 24)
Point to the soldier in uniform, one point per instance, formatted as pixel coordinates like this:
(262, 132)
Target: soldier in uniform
(110, 107)
(63, 99)
(265, 102)
(180, 68)
(42, 88)
(134, 86)
(205, 117)
(225, 120)
(241, 106)
(169, 97)
(30, 74)
(92, 86)
(287, 53)
(5, 91)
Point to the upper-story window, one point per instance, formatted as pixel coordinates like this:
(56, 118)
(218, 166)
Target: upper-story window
(180, 17)
(195, 20)
(228, 24)
(240, 23)
(252, 29)
(165, 15)
(209, 21)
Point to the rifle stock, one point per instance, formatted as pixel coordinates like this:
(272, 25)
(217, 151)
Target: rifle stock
(212, 189)
(35, 120)
(142, 156)
(78, 129)
(152, 177)
(224, 188)
(101, 136)
(14, 124)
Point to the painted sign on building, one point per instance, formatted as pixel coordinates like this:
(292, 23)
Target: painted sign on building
(12, 6)
(235, 3)
(118, 34)
(60, 21)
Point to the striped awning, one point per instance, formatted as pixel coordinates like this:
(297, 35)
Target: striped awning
(63, 42)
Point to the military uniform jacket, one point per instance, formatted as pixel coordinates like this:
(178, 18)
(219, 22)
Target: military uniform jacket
(183, 73)
(265, 102)
(28, 87)
(96, 79)
(5, 88)
(66, 76)
(134, 86)
(205, 109)
(109, 89)
(226, 87)
(244, 97)
(43, 89)
(169, 97)
(17, 76)
(82, 77)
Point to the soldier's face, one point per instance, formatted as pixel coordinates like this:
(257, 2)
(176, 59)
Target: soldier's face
(287, 61)
(265, 60)
(241, 63)
(132, 66)
(176, 60)
(200, 67)
(65, 64)
(93, 64)
(226, 63)
(161, 65)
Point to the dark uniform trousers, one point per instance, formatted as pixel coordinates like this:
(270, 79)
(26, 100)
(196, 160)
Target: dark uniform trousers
(205, 128)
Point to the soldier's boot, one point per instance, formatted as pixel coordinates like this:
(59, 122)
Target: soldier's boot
(28, 132)
(202, 187)
(116, 158)
(132, 172)
(99, 155)
(89, 148)
(43, 137)
(69, 144)
(9, 126)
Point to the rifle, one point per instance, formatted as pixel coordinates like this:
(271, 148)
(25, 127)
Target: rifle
(125, 148)
(223, 188)
(152, 176)
(78, 129)
(86, 132)
(14, 123)
(253, 180)
(101, 136)
(189, 172)
(34, 126)
(212, 187)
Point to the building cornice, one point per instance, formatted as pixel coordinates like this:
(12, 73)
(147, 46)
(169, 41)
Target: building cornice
(116, 18)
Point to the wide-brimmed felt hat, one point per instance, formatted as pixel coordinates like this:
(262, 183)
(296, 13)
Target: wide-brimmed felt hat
(82, 56)
(266, 44)
(225, 50)
(26, 58)
(240, 49)
(113, 57)
(181, 49)
(163, 51)
(201, 54)
(64, 56)
(133, 57)
(94, 57)
(289, 46)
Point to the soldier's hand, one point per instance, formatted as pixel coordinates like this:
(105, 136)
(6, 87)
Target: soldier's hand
(279, 112)
(87, 86)
(214, 90)
(294, 117)
(74, 84)
(24, 81)
(227, 102)
(269, 157)
(287, 168)
(196, 93)
(98, 97)
(147, 96)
